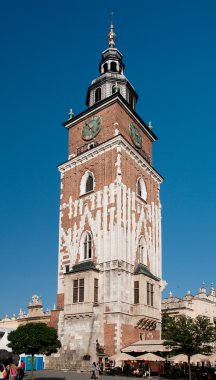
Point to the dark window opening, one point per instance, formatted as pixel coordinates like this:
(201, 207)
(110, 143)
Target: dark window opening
(105, 67)
(98, 94)
(113, 66)
(89, 183)
(67, 268)
(131, 99)
(136, 292)
(78, 290)
(87, 247)
(81, 290)
(141, 249)
(139, 189)
(95, 290)
(150, 294)
(75, 291)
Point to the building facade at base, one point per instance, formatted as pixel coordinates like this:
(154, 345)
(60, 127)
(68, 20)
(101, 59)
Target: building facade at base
(109, 271)
(35, 314)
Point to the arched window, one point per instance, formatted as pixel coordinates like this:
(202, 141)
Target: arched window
(89, 183)
(113, 66)
(141, 189)
(97, 94)
(141, 248)
(105, 67)
(87, 246)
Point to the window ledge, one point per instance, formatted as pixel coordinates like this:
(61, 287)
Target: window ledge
(89, 192)
(141, 199)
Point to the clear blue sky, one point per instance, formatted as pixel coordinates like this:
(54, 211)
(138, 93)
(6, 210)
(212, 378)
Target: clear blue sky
(50, 51)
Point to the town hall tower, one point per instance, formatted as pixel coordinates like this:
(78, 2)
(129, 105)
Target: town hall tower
(109, 268)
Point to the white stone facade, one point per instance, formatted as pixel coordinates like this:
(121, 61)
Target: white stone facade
(202, 303)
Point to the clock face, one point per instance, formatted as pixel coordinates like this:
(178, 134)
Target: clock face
(91, 128)
(135, 135)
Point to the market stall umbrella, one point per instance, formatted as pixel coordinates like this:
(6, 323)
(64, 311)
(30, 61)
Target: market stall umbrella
(212, 358)
(199, 358)
(181, 358)
(122, 357)
(150, 357)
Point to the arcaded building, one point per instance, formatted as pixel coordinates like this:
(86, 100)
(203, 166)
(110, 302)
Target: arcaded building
(109, 268)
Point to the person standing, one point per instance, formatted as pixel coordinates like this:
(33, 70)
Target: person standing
(97, 371)
(13, 372)
(21, 370)
(93, 369)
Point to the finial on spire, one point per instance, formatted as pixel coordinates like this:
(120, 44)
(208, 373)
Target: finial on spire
(70, 114)
(111, 34)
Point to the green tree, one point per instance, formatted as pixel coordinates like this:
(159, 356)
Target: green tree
(188, 336)
(34, 338)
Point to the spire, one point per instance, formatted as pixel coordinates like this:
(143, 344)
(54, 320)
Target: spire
(111, 36)
(111, 79)
(212, 290)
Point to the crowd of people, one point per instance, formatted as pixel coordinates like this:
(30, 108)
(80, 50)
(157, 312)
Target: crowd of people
(12, 372)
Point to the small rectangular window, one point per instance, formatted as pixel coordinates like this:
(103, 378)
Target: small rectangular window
(75, 291)
(78, 290)
(95, 290)
(150, 294)
(136, 292)
(81, 290)
(67, 268)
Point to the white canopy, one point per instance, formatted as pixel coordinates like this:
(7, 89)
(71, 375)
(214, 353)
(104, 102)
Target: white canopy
(122, 357)
(199, 358)
(150, 357)
(147, 346)
(181, 358)
(212, 358)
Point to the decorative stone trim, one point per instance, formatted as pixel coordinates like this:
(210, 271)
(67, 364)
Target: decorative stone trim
(77, 316)
(114, 143)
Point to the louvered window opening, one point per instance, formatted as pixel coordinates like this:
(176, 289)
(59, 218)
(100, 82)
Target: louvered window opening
(89, 184)
(150, 294)
(136, 292)
(95, 290)
(78, 290)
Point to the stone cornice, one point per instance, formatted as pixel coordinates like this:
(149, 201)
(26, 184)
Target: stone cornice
(113, 143)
